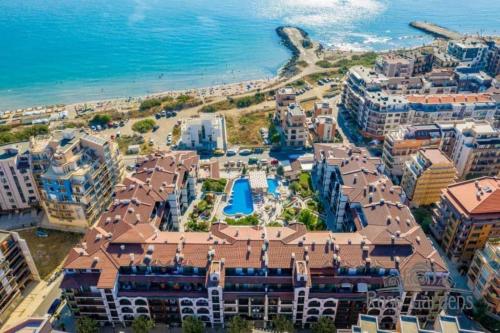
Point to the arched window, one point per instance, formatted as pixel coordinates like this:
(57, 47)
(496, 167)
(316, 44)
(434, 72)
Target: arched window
(140, 302)
(203, 311)
(330, 304)
(142, 309)
(330, 312)
(126, 309)
(312, 311)
(125, 301)
(314, 304)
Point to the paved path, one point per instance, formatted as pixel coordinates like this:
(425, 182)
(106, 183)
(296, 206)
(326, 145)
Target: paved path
(36, 302)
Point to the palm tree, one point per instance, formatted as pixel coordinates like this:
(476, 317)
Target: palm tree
(282, 324)
(87, 325)
(239, 325)
(192, 325)
(324, 325)
(142, 324)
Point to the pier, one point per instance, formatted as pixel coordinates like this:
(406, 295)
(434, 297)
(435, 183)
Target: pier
(435, 30)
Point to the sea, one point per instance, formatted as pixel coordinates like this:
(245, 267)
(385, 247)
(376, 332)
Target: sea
(67, 51)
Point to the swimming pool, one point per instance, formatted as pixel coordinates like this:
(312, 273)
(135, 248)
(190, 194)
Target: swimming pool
(241, 198)
(272, 186)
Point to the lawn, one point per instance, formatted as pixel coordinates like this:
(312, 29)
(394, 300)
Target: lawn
(244, 129)
(49, 252)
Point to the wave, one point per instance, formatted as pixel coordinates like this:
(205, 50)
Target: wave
(318, 13)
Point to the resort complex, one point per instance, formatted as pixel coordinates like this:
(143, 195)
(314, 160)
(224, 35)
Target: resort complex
(358, 192)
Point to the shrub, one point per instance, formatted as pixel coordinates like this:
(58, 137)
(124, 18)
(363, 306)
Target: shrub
(143, 126)
(7, 136)
(214, 185)
(100, 119)
(192, 325)
(149, 103)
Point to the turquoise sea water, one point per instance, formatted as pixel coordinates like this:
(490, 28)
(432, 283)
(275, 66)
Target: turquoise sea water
(61, 51)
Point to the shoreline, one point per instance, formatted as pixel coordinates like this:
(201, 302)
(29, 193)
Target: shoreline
(285, 72)
(214, 91)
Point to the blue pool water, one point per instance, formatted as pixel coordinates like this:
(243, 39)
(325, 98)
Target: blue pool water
(241, 199)
(272, 184)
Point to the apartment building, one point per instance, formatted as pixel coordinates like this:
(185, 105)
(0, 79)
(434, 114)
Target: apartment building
(406, 140)
(172, 176)
(325, 128)
(467, 215)
(18, 187)
(17, 269)
(124, 270)
(395, 65)
(483, 277)
(470, 52)
(322, 108)
(77, 185)
(471, 145)
(410, 324)
(474, 149)
(294, 128)
(284, 97)
(427, 109)
(375, 111)
(207, 132)
(426, 174)
(363, 200)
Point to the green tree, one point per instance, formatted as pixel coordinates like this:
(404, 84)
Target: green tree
(239, 325)
(280, 171)
(480, 309)
(324, 325)
(86, 325)
(100, 119)
(143, 126)
(142, 324)
(192, 325)
(282, 324)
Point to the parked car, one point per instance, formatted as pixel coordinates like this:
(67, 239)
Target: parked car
(258, 150)
(53, 307)
(245, 152)
(41, 233)
(232, 151)
(253, 160)
(218, 152)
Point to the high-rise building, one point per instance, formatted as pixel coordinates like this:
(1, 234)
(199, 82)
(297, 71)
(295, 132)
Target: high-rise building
(17, 269)
(395, 65)
(18, 187)
(475, 149)
(406, 140)
(426, 174)
(77, 185)
(471, 145)
(294, 128)
(325, 128)
(467, 215)
(284, 97)
(484, 275)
